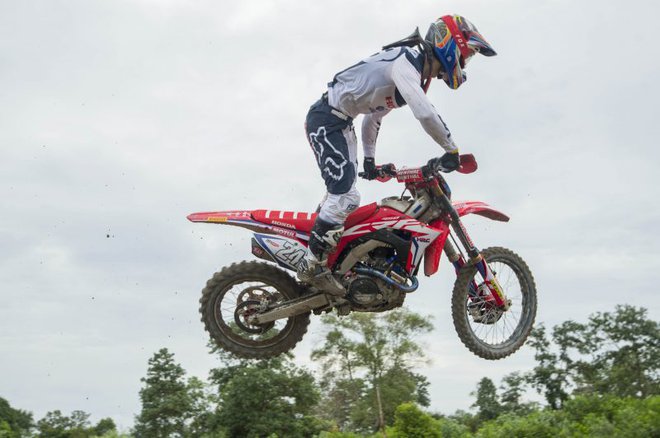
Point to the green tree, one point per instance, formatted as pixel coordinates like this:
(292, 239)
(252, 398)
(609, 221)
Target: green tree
(487, 404)
(14, 422)
(582, 416)
(104, 426)
(538, 424)
(170, 404)
(260, 398)
(623, 349)
(512, 389)
(613, 353)
(551, 375)
(77, 425)
(372, 354)
(411, 422)
(56, 425)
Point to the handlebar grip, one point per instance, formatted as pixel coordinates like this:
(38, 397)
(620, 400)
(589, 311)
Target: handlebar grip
(388, 169)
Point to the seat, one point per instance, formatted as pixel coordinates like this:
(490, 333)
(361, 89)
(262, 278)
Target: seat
(304, 222)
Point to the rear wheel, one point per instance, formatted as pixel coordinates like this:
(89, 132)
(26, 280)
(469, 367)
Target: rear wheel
(239, 291)
(486, 330)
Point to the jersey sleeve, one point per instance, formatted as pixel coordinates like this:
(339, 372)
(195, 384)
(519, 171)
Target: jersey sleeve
(407, 80)
(370, 127)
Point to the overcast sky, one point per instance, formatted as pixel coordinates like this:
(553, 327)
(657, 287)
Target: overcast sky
(119, 118)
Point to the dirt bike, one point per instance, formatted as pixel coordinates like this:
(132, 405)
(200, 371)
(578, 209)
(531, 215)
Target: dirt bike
(257, 310)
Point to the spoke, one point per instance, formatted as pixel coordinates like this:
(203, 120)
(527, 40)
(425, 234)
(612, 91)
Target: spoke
(506, 322)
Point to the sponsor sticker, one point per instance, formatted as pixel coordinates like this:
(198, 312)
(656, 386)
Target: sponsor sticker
(282, 224)
(283, 232)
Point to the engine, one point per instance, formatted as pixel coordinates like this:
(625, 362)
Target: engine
(367, 293)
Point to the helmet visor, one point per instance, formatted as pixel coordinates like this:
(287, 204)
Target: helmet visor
(475, 40)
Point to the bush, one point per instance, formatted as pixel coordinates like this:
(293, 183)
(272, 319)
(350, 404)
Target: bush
(411, 422)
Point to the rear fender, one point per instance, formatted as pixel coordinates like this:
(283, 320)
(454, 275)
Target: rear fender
(244, 219)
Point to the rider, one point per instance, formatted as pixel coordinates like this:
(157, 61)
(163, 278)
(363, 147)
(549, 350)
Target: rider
(398, 75)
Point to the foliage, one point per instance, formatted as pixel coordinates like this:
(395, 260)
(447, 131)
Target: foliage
(450, 428)
(614, 353)
(512, 390)
(487, 403)
(623, 350)
(260, 398)
(14, 422)
(77, 425)
(582, 416)
(551, 374)
(170, 404)
(599, 378)
(364, 354)
(411, 422)
(105, 426)
(338, 434)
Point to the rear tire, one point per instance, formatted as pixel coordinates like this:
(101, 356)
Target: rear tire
(223, 303)
(466, 316)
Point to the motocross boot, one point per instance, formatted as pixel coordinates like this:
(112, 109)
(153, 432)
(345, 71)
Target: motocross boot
(313, 268)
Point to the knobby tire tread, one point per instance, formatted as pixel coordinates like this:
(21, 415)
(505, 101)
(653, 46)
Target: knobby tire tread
(460, 316)
(251, 271)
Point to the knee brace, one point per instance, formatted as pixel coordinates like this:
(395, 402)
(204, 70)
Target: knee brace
(336, 208)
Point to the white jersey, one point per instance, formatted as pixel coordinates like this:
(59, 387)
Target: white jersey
(384, 81)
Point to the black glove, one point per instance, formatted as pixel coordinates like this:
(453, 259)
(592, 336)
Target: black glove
(370, 171)
(449, 162)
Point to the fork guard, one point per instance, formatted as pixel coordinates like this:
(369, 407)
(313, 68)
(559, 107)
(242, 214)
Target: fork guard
(463, 208)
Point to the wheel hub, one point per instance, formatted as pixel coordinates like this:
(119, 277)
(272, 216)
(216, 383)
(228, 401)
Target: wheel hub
(243, 317)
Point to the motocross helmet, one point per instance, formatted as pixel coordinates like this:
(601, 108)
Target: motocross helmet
(455, 40)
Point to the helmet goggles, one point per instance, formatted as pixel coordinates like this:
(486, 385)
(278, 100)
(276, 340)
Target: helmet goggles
(455, 40)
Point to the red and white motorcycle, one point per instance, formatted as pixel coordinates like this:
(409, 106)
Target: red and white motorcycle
(257, 310)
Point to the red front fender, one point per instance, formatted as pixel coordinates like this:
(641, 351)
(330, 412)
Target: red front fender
(480, 208)
(434, 250)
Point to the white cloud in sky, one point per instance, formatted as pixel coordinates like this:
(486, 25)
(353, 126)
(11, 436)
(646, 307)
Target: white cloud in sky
(120, 118)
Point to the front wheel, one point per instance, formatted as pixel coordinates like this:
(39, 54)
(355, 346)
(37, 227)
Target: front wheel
(486, 330)
(237, 292)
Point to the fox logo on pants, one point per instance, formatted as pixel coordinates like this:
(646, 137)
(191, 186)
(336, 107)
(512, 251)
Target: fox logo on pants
(330, 159)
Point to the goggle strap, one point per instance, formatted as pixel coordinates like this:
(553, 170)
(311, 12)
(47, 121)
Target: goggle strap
(458, 35)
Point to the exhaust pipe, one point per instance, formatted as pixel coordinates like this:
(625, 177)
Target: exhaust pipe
(374, 273)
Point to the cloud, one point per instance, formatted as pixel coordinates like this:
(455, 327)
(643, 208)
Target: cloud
(119, 119)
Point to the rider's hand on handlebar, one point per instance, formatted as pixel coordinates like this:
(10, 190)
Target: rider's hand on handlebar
(381, 173)
(449, 162)
(370, 171)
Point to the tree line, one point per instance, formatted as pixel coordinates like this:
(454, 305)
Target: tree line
(597, 378)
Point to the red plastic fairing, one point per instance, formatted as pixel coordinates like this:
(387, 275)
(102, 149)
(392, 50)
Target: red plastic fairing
(304, 221)
(219, 217)
(383, 217)
(480, 208)
(434, 250)
(242, 218)
(279, 220)
(287, 219)
(361, 214)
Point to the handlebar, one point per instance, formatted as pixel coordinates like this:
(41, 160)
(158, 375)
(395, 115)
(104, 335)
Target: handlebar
(388, 171)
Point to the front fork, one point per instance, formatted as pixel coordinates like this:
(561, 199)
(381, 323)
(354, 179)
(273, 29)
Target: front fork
(475, 257)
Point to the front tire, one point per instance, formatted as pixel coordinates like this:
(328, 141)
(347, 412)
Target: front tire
(239, 289)
(488, 332)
